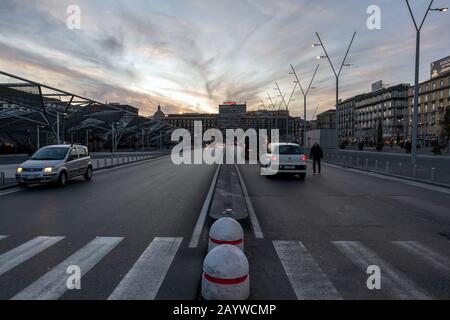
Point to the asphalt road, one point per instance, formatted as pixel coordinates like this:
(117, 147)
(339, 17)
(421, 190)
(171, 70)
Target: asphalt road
(320, 235)
(143, 212)
(129, 232)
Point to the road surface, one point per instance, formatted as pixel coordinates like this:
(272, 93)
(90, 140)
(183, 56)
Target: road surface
(129, 232)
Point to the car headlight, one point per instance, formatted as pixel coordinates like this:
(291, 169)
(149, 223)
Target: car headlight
(48, 170)
(19, 170)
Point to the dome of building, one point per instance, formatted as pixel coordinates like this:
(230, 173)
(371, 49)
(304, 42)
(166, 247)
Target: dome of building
(159, 115)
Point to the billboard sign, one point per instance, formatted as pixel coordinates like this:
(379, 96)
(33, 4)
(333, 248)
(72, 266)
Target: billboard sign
(440, 67)
(377, 86)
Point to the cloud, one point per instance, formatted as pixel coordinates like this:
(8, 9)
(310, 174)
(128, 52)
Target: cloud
(192, 55)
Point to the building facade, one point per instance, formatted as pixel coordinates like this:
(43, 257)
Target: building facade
(387, 106)
(434, 99)
(230, 115)
(326, 120)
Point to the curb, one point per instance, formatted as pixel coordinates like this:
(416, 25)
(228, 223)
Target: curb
(437, 184)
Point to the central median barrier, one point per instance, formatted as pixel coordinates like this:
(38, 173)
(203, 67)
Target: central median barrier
(225, 268)
(228, 199)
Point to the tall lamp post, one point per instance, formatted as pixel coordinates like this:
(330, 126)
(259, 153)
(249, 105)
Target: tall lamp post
(305, 95)
(337, 74)
(416, 75)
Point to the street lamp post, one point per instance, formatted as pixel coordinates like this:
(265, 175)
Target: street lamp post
(305, 95)
(416, 76)
(336, 74)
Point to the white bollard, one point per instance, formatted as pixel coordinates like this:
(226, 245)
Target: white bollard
(226, 231)
(225, 274)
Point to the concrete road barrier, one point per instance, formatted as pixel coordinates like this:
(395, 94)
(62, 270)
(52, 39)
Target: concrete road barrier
(226, 231)
(225, 274)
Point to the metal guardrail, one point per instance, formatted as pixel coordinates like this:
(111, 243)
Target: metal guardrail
(399, 169)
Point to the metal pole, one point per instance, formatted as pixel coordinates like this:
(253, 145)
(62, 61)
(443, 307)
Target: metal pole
(337, 111)
(416, 101)
(57, 127)
(416, 81)
(38, 138)
(304, 121)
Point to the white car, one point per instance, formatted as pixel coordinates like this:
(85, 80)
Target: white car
(284, 158)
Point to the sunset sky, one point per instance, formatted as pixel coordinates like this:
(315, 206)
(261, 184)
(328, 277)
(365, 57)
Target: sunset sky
(191, 55)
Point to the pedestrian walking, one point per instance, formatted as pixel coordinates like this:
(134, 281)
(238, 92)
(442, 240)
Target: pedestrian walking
(316, 154)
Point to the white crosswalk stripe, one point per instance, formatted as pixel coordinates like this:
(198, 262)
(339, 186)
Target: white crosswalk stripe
(144, 279)
(52, 285)
(22, 253)
(425, 253)
(391, 279)
(304, 274)
(3, 237)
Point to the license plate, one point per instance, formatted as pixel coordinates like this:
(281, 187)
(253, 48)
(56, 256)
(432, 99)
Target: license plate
(289, 167)
(31, 176)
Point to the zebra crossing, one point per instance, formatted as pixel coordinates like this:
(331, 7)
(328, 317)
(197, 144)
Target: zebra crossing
(308, 281)
(142, 282)
(144, 277)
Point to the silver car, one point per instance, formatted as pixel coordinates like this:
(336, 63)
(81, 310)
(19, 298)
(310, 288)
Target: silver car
(55, 164)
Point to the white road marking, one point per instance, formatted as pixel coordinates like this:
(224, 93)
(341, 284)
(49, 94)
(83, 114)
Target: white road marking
(394, 179)
(426, 253)
(195, 238)
(144, 279)
(305, 275)
(391, 279)
(10, 191)
(52, 285)
(22, 253)
(3, 237)
(251, 211)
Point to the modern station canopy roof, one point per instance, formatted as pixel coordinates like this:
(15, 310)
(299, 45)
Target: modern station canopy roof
(32, 104)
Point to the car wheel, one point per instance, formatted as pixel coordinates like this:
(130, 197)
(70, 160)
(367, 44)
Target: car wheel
(62, 180)
(88, 174)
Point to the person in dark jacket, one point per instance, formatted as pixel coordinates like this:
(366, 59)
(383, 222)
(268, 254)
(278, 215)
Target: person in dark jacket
(316, 154)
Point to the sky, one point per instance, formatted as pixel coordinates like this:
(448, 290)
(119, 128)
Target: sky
(192, 55)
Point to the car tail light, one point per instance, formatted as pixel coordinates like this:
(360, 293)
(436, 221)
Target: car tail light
(274, 158)
(304, 157)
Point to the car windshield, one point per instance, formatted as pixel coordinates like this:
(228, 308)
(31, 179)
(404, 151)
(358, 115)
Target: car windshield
(288, 149)
(50, 154)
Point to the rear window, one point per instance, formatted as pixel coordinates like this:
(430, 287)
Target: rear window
(288, 149)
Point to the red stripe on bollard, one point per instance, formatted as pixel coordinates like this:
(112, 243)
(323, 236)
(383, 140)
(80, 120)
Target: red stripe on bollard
(225, 281)
(233, 243)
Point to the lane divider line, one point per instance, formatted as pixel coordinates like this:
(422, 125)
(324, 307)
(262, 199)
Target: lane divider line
(195, 238)
(146, 276)
(52, 285)
(256, 227)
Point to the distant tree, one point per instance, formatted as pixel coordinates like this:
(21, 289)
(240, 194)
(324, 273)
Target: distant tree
(446, 127)
(380, 142)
